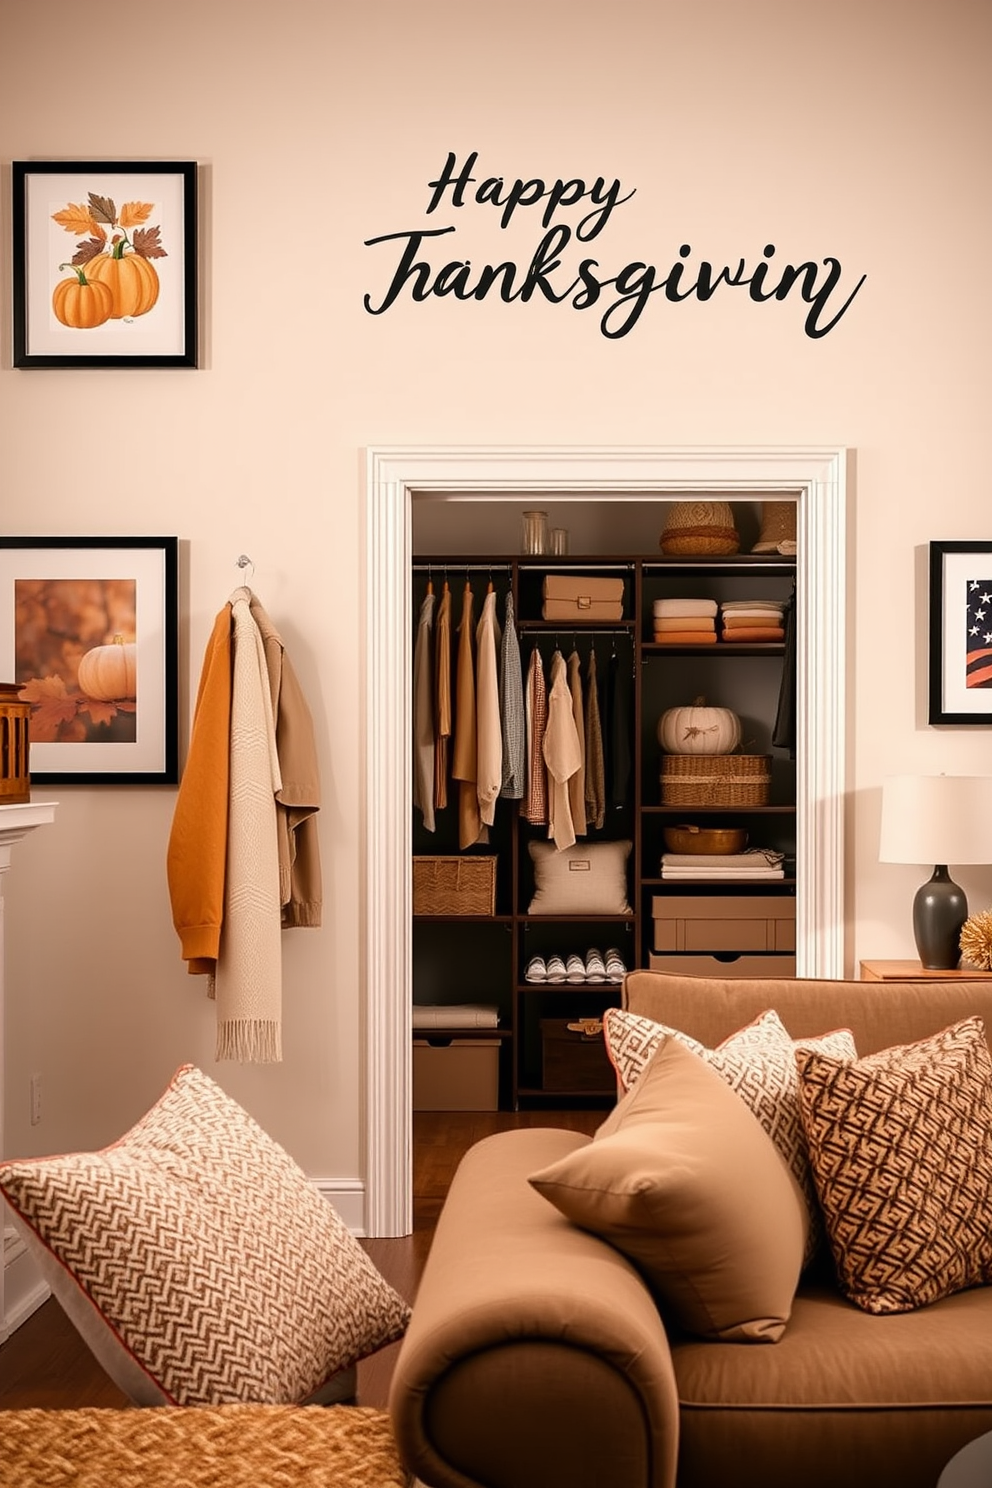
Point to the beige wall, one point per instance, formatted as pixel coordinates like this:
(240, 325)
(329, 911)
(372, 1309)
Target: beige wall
(859, 131)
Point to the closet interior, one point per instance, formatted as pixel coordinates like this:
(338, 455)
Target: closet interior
(522, 929)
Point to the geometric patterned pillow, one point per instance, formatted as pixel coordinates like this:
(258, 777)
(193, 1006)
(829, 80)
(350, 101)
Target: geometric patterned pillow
(199, 1262)
(759, 1062)
(901, 1149)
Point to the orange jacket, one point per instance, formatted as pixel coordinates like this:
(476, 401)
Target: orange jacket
(197, 852)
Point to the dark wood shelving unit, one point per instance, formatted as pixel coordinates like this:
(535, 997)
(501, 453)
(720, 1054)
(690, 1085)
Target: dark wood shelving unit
(496, 948)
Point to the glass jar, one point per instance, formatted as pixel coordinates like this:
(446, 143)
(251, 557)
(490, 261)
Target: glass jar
(535, 537)
(559, 541)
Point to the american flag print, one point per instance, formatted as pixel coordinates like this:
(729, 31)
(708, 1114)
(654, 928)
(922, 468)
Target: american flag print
(978, 663)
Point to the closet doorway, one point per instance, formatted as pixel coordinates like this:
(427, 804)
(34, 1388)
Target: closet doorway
(815, 478)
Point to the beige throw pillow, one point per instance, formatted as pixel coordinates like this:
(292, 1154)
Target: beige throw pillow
(197, 1260)
(759, 1063)
(589, 878)
(682, 1179)
(900, 1144)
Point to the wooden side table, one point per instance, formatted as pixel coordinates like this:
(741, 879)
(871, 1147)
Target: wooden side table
(912, 971)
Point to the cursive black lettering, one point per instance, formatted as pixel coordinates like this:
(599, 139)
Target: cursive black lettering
(447, 178)
(407, 267)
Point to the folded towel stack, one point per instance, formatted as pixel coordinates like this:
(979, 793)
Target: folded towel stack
(753, 863)
(685, 622)
(752, 620)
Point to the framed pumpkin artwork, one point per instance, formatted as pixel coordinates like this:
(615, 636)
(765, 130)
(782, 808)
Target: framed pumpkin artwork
(89, 637)
(104, 261)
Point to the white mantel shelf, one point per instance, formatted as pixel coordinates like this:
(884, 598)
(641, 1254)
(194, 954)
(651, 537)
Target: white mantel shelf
(18, 820)
(21, 1290)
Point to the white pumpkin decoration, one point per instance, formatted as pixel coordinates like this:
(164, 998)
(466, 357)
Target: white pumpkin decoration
(110, 673)
(699, 729)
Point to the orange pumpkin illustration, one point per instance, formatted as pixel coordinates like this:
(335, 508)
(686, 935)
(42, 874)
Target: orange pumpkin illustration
(131, 279)
(81, 302)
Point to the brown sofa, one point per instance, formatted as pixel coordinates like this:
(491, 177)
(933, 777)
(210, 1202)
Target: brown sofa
(536, 1357)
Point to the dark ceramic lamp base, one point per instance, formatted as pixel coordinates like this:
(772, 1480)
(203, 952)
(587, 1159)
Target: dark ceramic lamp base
(939, 911)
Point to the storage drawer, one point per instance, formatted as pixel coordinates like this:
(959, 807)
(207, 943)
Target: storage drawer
(456, 1075)
(729, 966)
(735, 922)
(574, 1061)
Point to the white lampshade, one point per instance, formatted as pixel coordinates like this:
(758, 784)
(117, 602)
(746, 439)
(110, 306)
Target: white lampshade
(936, 819)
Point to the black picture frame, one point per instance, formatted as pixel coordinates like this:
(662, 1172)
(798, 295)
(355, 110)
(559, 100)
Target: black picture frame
(68, 216)
(960, 678)
(64, 597)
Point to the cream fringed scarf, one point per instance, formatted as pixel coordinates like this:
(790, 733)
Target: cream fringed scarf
(249, 969)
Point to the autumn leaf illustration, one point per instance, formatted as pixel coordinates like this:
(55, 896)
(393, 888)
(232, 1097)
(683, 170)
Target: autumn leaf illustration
(102, 209)
(134, 213)
(75, 219)
(100, 712)
(51, 706)
(85, 251)
(147, 242)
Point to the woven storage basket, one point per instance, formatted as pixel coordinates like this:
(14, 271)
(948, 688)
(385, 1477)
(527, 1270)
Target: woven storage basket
(699, 527)
(454, 886)
(715, 780)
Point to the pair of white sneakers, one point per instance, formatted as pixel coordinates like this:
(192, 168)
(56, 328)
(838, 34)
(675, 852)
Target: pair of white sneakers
(576, 969)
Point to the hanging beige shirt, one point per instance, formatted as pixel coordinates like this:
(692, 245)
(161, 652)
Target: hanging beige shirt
(577, 783)
(562, 754)
(489, 735)
(442, 698)
(465, 753)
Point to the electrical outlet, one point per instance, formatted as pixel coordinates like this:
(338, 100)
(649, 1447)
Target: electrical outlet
(35, 1099)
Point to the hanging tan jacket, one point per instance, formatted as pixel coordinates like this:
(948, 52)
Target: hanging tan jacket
(562, 754)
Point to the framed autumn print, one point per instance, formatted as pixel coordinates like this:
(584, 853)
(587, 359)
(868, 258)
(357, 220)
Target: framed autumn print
(104, 263)
(961, 632)
(88, 635)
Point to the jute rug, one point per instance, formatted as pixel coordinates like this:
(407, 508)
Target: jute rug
(234, 1446)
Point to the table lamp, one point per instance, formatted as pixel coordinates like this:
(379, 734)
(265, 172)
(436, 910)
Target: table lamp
(937, 819)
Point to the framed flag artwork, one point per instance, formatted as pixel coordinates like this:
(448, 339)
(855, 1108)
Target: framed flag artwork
(960, 632)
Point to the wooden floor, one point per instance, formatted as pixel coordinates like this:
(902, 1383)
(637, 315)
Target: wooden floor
(44, 1363)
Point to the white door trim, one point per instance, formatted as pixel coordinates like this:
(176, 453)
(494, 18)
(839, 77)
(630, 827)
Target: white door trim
(815, 477)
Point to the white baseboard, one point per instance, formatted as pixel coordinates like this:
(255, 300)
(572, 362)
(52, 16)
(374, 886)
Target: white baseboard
(23, 1289)
(348, 1198)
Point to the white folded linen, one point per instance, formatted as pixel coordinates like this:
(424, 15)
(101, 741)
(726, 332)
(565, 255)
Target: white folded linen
(685, 607)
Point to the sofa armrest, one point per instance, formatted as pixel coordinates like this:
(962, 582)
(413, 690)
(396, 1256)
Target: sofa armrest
(535, 1357)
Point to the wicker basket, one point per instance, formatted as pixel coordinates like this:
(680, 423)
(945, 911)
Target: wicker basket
(15, 781)
(454, 886)
(716, 780)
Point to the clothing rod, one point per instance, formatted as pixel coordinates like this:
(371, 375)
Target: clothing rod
(458, 568)
(550, 631)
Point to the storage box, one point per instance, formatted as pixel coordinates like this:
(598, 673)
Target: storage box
(723, 967)
(732, 922)
(582, 598)
(456, 1074)
(716, 779)
(574, 1061)
(454, 886)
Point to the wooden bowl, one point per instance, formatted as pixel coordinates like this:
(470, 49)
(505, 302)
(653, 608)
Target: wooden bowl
(690, 839)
